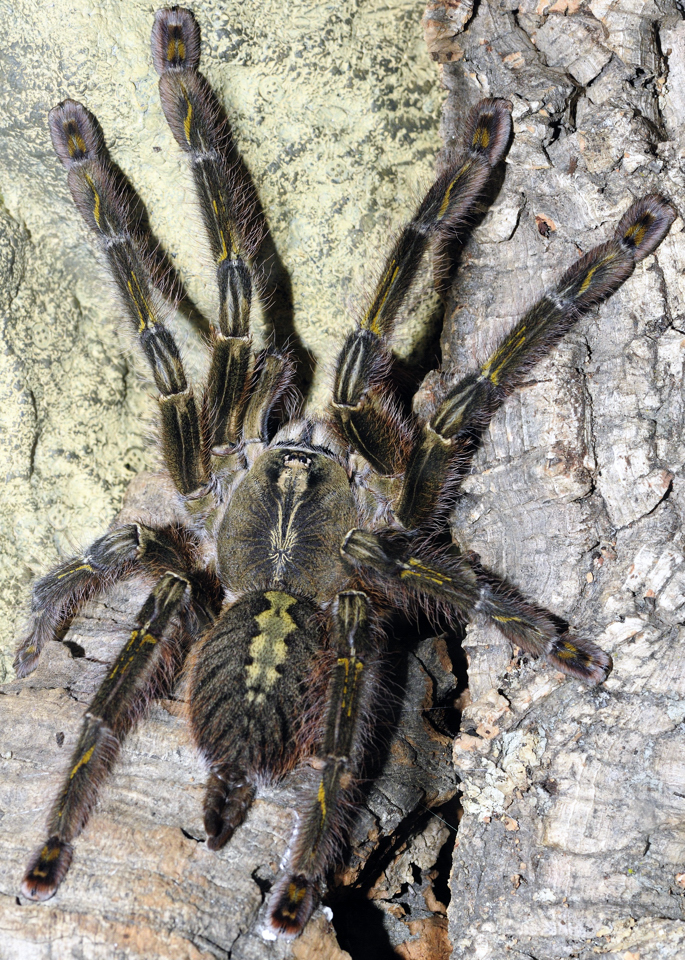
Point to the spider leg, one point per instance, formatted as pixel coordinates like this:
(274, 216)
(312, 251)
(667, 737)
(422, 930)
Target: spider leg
(456, 584)
(448, 439)
(323, 817)
(273, 377)
(233, 226)
(59, 594)
(139, 668)
(368, 419)
(78, 143)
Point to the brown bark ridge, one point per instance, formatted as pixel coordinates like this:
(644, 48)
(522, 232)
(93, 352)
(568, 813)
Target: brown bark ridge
(572, 840)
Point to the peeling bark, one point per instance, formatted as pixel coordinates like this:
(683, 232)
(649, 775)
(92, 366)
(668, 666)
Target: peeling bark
(572, 838)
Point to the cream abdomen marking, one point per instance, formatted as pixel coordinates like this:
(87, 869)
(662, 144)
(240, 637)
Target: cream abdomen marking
(268, 650)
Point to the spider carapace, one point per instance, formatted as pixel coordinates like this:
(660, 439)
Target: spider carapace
(299, 537)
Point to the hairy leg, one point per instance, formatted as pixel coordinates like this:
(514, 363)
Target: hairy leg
(234, 229)
(448, 439)
(133, 677)
(78, 143)
(338, 761)
(454, 584)
(59, 594)
(367, 414)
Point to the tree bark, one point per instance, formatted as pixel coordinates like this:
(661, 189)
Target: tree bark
(572, 838)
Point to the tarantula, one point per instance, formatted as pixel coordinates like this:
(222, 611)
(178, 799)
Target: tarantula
(301, 536)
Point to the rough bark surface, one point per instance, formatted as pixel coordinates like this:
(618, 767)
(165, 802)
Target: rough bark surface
(572, 839)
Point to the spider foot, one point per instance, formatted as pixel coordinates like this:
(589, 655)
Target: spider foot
(28, 651)
(291, 906)
(580, 658)
(644, 225)
(46, 870)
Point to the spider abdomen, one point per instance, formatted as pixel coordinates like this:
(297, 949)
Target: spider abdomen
(248, 683)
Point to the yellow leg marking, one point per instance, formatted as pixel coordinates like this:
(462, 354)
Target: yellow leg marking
(47, 855)
(423, 572)
(508, 619)
(82, 762)
(296, 893)
(224, 252)
(588, 279)
(593, 270)
(147, 638)
(492, 368)
(84, 566)
(75, 142)
(637, 231)
(422, 576)
(481, 137)
(446, 199)
(345, 662)
(174, 48)
(358, 667)
(569, 652)
(96, 198)
(370, 322)
(138, 298)
(189, 115)
(321, 797)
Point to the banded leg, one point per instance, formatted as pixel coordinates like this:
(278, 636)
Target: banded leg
(367, 418)
(273, 381)
(446, 443)
(78, 144)
(455, 583)
(138, 669)
(339, 760)
(59, 595)
(229, 213)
